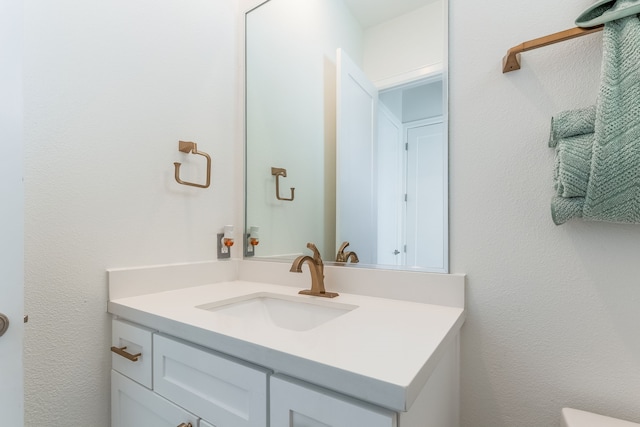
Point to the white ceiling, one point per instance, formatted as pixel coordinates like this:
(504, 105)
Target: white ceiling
(373, 12)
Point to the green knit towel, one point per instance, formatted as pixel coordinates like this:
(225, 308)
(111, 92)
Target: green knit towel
(612, 191)
(572, 136)
(565, 208)
(573, 164)
(572, 123)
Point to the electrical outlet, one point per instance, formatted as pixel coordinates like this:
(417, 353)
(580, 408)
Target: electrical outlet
(249, 249)
(223, 250)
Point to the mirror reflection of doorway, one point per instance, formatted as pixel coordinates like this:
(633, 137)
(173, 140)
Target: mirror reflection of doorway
(425, 182)
(391, 155)
(411, 144)
(391, 187)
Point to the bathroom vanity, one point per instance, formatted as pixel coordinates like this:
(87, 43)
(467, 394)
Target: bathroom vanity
(227, 350)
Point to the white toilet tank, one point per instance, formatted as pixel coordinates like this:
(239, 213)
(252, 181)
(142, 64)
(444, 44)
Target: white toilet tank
(576, 418)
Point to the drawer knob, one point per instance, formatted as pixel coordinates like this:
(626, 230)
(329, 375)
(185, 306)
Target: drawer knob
(185, 425)
(121, 351)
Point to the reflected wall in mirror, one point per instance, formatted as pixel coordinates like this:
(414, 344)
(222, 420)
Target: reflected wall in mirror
(349, 97)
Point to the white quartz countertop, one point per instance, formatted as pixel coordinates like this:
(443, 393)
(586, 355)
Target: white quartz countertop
(383, 351)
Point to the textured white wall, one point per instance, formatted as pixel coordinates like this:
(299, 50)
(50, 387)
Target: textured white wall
(406, 43)
(553, 312)
(110, 88)
(414, 106)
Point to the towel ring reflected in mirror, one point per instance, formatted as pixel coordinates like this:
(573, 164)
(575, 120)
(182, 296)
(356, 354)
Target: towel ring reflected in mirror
(278, 172)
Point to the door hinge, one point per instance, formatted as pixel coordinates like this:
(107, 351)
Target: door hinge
(405, 197)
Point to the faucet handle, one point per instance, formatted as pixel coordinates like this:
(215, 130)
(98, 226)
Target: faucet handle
(316, 253)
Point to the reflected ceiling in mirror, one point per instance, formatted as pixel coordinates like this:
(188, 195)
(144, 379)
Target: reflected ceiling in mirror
(349, 98)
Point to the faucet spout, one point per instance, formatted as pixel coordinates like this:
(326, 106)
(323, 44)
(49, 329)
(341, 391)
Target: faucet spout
(296, 267)
(316, 268)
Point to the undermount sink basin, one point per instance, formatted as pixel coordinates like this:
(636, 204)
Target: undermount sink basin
(283, 311)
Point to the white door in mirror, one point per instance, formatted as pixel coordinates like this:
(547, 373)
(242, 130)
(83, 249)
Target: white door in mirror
(426, 196)
(357, 112)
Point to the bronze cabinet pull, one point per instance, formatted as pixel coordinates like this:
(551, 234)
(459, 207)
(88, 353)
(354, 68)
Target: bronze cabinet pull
(121, 351)
(185, 425)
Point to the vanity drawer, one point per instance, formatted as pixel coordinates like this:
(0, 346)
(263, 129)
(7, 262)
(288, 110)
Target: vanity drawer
(224, 391)
(128, 340)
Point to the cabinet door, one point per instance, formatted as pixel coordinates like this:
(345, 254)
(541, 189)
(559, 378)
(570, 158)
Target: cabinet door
(133, 405)
(296, 404)
(224, 391)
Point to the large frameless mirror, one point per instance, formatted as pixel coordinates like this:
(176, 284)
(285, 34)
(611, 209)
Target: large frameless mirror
(346, 130)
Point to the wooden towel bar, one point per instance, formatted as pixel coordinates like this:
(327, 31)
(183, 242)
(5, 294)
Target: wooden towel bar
(511, 61)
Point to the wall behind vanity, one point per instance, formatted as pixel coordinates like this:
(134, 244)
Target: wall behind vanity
(110, 88)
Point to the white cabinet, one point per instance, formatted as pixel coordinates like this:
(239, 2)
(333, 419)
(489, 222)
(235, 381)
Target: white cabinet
(224, 391)
(132, 405)
(295, 404)
(182, 380)
(186, 384)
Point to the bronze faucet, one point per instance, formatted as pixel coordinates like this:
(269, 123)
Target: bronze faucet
(316, 267)
(344, 257)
